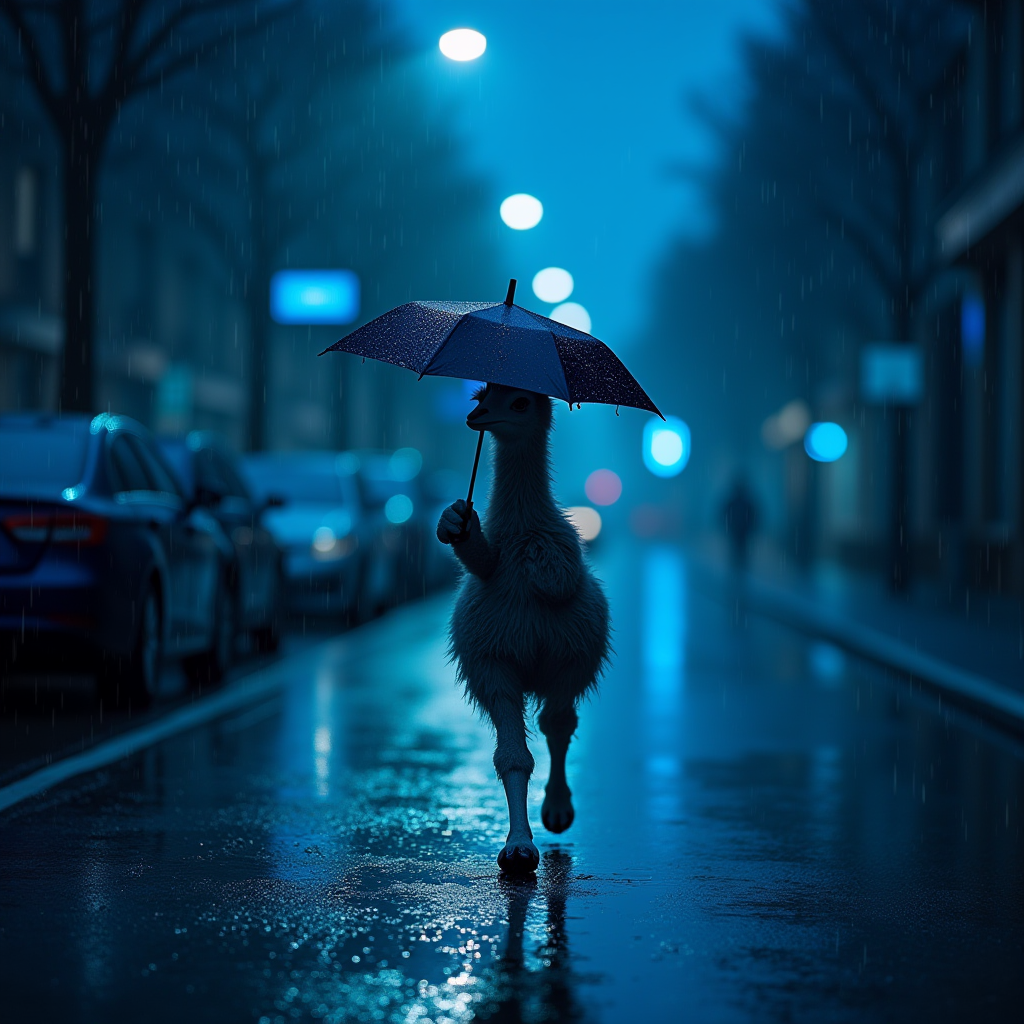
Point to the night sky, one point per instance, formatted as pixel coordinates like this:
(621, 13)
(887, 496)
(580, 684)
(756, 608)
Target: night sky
(586, 110)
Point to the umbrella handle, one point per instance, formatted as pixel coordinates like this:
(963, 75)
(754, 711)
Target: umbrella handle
(464, 533)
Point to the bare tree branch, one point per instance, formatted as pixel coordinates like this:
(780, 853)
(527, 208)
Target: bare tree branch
(136, 62)
(36, 66)
(854, 68)
(140, 79)
(865, 245)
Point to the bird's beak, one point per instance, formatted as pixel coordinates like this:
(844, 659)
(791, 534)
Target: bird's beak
(477, 420)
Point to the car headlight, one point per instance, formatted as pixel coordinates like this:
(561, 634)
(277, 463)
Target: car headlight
(327, 546)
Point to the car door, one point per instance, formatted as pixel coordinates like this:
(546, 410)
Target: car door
(194, 537)
(235, 512)
(154, 511)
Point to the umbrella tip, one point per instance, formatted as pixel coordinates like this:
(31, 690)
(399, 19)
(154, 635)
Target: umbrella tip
(510, 296)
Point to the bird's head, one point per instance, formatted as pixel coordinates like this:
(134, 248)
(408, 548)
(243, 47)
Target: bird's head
(512, 415)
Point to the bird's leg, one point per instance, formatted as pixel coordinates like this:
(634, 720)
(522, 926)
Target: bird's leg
(514, 764)
(517, 786)
(558, 723)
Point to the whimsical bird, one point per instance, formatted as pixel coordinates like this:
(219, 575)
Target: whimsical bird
(530, 623)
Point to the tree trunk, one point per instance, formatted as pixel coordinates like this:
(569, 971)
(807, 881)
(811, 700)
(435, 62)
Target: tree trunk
(259, 294)
(898, 554)
(77, 380)
(899, 533)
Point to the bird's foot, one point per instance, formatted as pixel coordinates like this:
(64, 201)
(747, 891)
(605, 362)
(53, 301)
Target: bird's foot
(519, 856)
(557, 812)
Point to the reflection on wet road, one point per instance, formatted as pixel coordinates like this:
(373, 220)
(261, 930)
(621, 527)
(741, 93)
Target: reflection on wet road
(764, 831)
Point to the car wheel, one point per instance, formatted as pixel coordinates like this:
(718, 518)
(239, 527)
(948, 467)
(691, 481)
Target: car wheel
(268, 636)
(213, 664)
(134, 682)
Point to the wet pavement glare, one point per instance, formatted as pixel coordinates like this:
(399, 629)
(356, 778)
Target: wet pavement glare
(765, 831)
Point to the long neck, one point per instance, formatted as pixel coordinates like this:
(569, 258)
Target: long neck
(521, 487)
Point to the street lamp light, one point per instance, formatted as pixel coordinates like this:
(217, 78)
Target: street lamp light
(521, 211)
(552, 284)
(572, 314)
(463, 44)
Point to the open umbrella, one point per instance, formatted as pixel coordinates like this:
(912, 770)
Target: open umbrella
(500, 343)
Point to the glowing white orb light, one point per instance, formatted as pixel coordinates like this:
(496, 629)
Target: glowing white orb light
(572, 314)
(521, 211)
(666, 446)
(324, 539)
(463, 44)
(587, 521)
(553, 284)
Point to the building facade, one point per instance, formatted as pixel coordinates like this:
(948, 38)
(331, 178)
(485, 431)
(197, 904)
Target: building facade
(969, 492)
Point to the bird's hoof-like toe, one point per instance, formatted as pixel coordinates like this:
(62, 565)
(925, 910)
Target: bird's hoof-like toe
(519, 858)
(557, 812)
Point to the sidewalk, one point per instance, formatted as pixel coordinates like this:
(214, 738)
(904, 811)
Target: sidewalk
(968, 646)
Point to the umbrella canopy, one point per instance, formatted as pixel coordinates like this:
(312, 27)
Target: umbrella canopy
(500, 343)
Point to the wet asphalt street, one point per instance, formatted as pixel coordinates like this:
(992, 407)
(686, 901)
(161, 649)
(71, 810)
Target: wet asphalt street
(765, 831)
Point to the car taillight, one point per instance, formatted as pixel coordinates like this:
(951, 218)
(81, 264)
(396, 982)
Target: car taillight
(65, 528)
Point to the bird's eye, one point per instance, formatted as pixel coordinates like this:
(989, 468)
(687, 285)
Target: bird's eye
(520, 404)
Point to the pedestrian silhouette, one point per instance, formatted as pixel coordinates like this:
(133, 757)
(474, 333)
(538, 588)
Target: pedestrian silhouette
(739, 514)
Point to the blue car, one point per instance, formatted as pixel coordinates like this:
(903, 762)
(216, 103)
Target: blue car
(332, 563)
(104, 564)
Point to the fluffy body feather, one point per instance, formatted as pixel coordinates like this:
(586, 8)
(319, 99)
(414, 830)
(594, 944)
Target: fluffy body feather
(540, 612)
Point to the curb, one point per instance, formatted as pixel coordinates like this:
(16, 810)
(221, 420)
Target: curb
(130, 742)
(985, 697)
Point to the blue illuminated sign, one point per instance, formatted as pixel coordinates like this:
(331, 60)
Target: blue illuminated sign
(972, 329)
(314, 296)
(892, 373)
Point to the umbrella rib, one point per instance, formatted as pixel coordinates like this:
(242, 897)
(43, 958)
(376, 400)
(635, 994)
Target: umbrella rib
(561, 363)
(548, 320)
(447, 338)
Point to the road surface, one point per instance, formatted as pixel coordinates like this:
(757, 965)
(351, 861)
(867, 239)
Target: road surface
(765, 831)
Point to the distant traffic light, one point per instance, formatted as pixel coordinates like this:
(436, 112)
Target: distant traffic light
(825, 442)
(666, 446)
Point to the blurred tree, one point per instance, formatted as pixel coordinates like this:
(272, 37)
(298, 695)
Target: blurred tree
(85, 60)
(880, 62)
(822, 233)
(270, 172)
(316, 145)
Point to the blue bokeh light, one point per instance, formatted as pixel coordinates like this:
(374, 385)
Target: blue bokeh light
(972, 328)
(666, 446)
(825, 442)
(398, 508)
(314, 296)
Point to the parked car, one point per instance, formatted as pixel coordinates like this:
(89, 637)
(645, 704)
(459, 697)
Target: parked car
(211, 474)
(104, 564)
(330, 556)
(391, 492)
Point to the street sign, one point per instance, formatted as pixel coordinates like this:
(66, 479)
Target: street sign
(891, 374)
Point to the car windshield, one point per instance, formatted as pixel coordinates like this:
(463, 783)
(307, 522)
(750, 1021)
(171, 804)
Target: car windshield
(316, 483)
(41, 455)
(382, 476)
